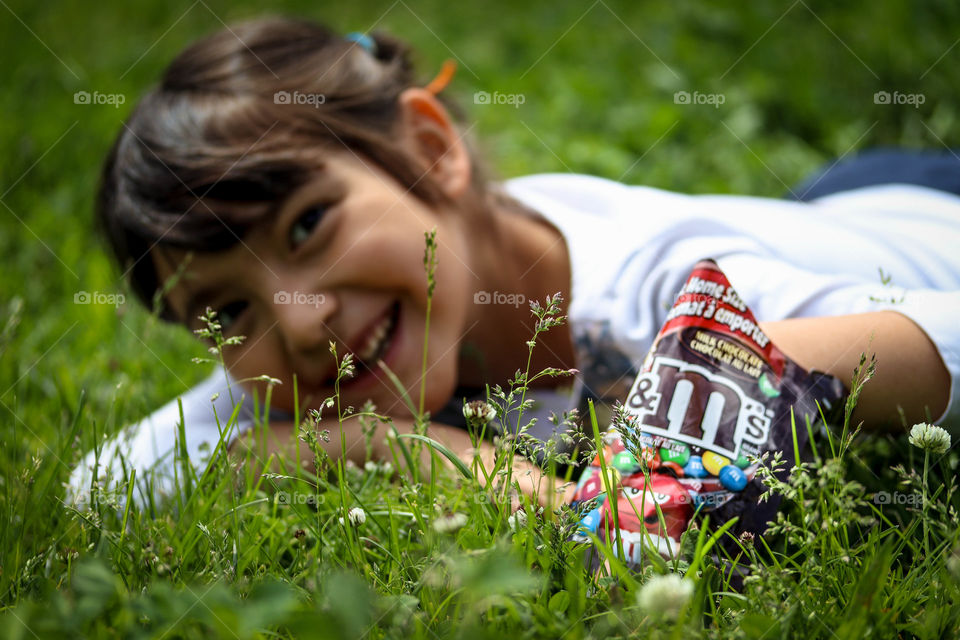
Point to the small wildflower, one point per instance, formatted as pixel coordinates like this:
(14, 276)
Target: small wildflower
(953, 563)
(69, 553)
(930, 438)
(665, 595)
(375, 468)
(517, 520)
(355, 517)
(450, 524)
(434, 577)
(479, 412)
(746, 539)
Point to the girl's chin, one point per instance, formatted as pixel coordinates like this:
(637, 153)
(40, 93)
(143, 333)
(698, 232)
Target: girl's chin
(440, 386)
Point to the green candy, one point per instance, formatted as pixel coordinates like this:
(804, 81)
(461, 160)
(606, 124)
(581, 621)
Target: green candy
(680, 457)
(624, 461)
(742, 461)
(766, 387)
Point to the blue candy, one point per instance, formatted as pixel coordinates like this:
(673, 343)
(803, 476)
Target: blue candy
(732, 478)
(591, 521)
(694, 468)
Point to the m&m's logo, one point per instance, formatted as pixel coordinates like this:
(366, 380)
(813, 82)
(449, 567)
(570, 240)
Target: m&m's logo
(689, 403)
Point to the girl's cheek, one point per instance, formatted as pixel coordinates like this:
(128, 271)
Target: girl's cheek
(381, 262)
(242, 360)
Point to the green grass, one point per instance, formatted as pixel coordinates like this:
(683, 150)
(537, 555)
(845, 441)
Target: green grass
(228, 558)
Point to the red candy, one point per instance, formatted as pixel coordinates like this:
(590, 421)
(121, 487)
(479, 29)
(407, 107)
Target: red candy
(637, 498)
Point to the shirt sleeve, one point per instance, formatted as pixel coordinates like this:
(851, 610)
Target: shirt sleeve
(775, 290)
(150, 445)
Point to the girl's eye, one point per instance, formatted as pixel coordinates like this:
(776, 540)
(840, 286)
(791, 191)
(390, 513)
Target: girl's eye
(302, 227)
(227, 315)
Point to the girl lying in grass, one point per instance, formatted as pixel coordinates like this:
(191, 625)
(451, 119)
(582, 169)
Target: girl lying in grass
(285, 175)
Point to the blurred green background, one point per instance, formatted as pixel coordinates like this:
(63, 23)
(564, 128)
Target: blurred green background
(598, 81)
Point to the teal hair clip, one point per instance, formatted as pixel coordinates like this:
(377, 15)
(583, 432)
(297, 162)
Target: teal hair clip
(364, 41)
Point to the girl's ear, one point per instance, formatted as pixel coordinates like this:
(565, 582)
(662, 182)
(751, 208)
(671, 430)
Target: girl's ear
(429, 133)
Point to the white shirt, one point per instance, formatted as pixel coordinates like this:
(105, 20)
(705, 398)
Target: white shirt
(631, 249)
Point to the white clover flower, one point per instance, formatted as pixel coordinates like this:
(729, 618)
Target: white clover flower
(665, 595)
(517, 520)
(355, 517)
(930, 437)
(450, 524)
(479, 411)
(378, 467)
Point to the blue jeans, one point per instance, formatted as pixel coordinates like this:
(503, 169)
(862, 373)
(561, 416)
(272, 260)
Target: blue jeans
(934, 169)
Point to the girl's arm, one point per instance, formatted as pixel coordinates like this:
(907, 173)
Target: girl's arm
(910, 374)
(282, 440)
(832, 317)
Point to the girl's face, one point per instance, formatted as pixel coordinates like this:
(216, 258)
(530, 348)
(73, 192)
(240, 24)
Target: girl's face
(341, 261)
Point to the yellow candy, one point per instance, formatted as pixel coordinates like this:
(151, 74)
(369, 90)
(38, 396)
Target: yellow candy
(713, 462)
(613, 475)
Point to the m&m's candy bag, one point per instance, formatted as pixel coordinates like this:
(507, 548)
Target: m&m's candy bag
(712, 396)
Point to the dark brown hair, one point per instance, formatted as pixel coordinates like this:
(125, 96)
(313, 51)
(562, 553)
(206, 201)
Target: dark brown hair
(213, 149)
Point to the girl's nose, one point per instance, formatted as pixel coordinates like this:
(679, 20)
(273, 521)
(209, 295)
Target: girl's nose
(302, 320)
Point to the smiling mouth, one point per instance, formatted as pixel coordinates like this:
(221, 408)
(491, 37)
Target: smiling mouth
(374, 346)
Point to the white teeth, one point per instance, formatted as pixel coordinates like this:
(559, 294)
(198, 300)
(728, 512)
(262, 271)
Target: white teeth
(376, 337)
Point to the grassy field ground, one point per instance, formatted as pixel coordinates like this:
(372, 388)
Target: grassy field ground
(801, 83)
